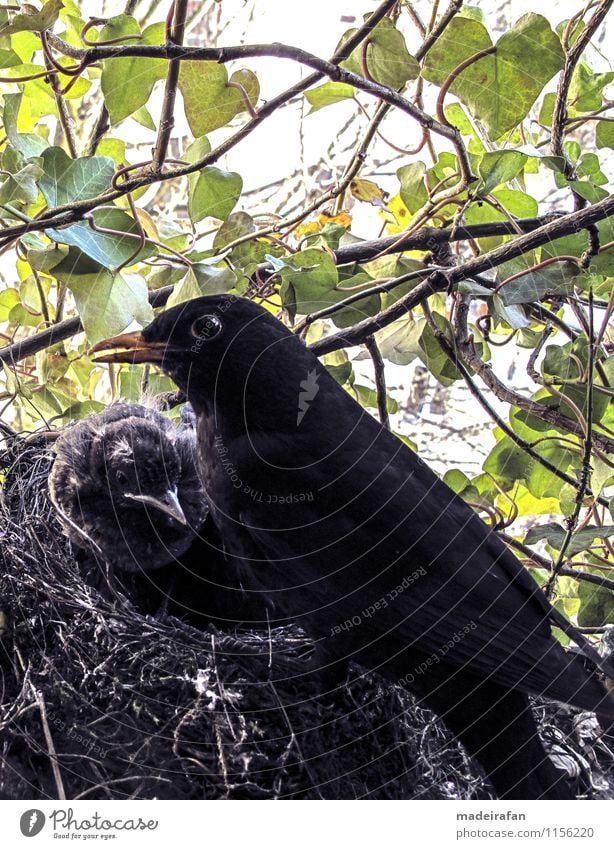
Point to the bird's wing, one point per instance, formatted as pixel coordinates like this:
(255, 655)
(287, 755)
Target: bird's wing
(394, 550)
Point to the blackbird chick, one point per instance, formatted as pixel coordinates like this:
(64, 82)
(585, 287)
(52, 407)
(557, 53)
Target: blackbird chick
(126, 487)
(353, 536)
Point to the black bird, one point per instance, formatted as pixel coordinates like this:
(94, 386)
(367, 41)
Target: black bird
(352, 535)
(126, 486)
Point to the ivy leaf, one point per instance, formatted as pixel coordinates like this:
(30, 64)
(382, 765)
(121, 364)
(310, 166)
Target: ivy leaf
(108, 249)
(202, 279)
(526, 58)
(555, 279)
(21, 185)
(507, 462)
(597, 603)
(309, 285)
(108, 303)
(210, 99)
(368, 398)
(386, 56)
(499, 166)
(327, 94)
(604, 135)
(29, 144)
(127, 83)
(9, 298)
(34, 20)
(554, 535)
(213, 193)
(413, 191)
(66, 180)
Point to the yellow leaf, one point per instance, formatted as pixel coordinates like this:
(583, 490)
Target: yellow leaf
(343, 219)
(368, 191)
(307, 229)
(398, 216)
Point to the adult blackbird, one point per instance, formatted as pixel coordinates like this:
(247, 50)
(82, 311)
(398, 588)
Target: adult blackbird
(351, 534)
(126, 486)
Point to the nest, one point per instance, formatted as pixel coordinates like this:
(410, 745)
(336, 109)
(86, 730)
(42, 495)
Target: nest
(99, 699)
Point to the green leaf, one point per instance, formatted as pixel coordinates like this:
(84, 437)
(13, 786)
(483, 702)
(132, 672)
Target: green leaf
(143, 117)
(9, 298)
(512, 314)
(398, 342)
(107, 303)
(34, 21)
(327, 94)
(386, 57)
(8, 58)
(555, 279)
(554, 534)
(214, 193)
(309, 285)
(110, 250)
(66, 180)
(499, 166)
(413, 190)
(543, 483)
(202, 279)
(127, 83)
(338, 366)
(588, 190)
(586, 89)
(21, 186)
(597, 603)
(517, 203)
(210, 99)
(364, 308)
(507, 462)
(29, 144)
(368, 398)
(526, 58)
(604, 134)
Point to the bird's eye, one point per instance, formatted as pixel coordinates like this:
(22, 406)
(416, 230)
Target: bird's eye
(206, 328)
(121, 477)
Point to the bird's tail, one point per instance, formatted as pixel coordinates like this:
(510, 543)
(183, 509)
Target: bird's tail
(578, 686)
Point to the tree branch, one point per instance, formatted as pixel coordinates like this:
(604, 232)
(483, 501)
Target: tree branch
(380, 380)
(167, 115)
(440, 281)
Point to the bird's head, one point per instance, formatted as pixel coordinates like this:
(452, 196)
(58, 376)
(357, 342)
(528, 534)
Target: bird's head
(128, 464)
(228, 354)
(137, 467)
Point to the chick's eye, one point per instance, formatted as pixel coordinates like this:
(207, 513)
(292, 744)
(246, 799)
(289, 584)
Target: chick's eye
(206, 327)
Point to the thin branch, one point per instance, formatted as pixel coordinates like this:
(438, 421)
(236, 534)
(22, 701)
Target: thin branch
(322, 67)
(167, 115)
(545, 563)
(380, 380)
(66, 121)
(585, 472)
(559, 115)
(510, 396)
(440, 280)
(438, 29)
(66, 329)
(454, 356)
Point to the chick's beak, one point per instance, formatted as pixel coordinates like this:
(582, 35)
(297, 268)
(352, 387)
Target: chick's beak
(167, 503)
(129, 348)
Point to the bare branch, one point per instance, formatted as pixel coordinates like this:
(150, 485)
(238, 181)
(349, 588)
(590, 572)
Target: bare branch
(380, 380)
